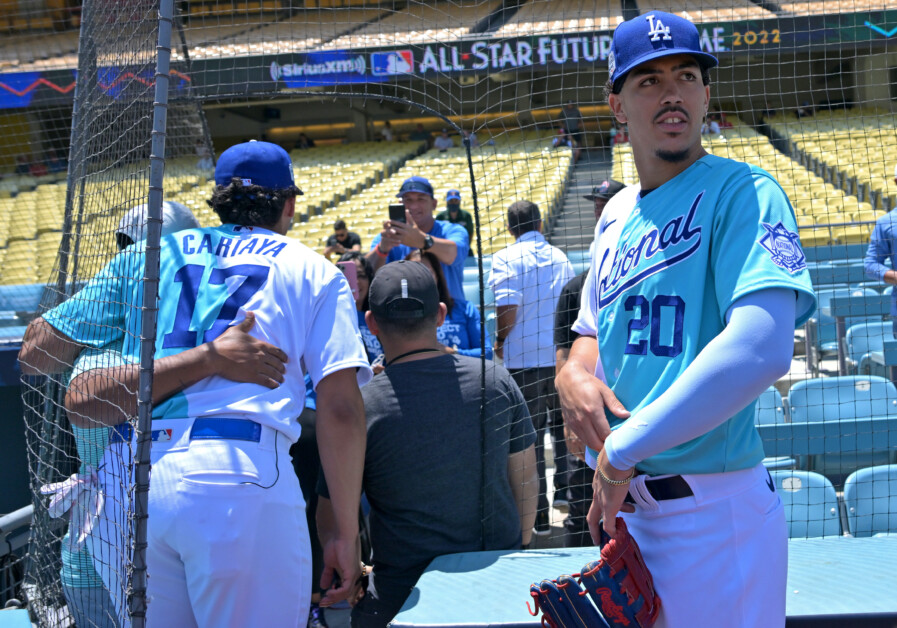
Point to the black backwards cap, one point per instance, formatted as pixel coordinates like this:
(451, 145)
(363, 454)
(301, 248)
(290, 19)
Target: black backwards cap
(403, 290)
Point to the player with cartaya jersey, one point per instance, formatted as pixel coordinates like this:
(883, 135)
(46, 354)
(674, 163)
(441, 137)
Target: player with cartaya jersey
(227, 537)
(696, 285)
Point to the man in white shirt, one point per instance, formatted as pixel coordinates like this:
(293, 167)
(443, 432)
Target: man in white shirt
(527, 278)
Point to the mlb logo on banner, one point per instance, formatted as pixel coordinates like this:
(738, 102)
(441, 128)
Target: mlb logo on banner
(392, 63)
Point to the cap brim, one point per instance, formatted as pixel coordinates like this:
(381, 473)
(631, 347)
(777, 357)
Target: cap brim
(705, 60)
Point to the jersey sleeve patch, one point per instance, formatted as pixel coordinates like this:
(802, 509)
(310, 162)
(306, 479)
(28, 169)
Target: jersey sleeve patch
(784, 247)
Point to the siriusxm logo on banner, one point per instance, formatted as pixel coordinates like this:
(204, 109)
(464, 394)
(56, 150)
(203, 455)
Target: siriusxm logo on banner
(321, 68)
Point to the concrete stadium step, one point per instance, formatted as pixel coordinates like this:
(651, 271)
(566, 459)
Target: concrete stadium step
(575, 225)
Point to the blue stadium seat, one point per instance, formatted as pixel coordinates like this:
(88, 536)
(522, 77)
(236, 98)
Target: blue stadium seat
(823, 325)
(770, 409)
(846, 397)
(21, 298)
(832, 399)
(580, 267)
(837, 273)
(472, 293)
(472, 275)
(861, 340)
(471, 262)
(811, 504)
(870, 496)
(872, 285)
(579, 257)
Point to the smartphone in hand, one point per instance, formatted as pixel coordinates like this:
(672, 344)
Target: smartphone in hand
(350, 270)
(397, 212)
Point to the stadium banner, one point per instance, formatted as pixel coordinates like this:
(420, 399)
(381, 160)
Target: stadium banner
(39, 89)
(215, 78)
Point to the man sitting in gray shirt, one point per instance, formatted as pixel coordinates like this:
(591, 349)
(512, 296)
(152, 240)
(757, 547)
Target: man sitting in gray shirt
(439, 480)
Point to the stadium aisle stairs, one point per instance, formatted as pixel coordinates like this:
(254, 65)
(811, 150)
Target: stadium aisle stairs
(575, 225)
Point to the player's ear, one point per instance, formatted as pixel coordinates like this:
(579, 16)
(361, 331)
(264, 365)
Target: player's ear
(616, 107)
(371, 322)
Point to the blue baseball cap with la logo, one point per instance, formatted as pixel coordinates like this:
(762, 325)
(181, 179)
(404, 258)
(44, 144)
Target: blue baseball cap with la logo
(256, 163)
(651, 36)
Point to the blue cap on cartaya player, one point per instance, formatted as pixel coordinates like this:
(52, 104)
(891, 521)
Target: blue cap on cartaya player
(453, 195)
(651, 36)
(415, 184)
(256, 163)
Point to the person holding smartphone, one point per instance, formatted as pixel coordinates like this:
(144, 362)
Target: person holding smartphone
(420, 230)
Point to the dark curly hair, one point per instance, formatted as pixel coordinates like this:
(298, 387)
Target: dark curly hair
(249, 205)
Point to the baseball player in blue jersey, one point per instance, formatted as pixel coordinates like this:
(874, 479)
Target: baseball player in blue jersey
(688, 313)
(227, 537)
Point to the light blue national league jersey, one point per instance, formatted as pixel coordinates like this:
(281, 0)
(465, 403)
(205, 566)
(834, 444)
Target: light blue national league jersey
(209, 278)
(665, 270)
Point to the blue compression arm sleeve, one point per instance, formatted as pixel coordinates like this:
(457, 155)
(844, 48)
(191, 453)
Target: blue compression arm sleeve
(753, 351)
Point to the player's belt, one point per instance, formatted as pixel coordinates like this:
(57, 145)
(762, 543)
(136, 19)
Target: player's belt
(226, 429)
(123, 432)
(673, 487)
(202, 429)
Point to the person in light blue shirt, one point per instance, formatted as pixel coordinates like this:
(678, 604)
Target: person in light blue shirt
(227, 536)
(447, 241)
(882, 248)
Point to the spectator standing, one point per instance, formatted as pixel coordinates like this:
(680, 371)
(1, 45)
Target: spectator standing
(601, 194)
(710, 127)
(572, 118)
(386, 132)
(239, 434)
(883, 248)
(342, 240)
(469, 137)
(364, 273)
(527, 278)
(304, 142)
(455, 215)
(55, 163)
(307, 466)
(565, 140)
(460, 333)
(419, 134)
(579, 474)
(443, 142)
(205, 156)
(425, 407)
(450, 243)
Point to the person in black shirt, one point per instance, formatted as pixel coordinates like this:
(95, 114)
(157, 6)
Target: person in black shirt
(342, 240)
(304, 142)
(579, 475)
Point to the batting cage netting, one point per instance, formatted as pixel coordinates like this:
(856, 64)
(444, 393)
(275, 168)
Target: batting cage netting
(494, 103)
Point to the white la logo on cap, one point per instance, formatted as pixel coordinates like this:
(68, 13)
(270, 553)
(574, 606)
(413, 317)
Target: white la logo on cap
(657, 29)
